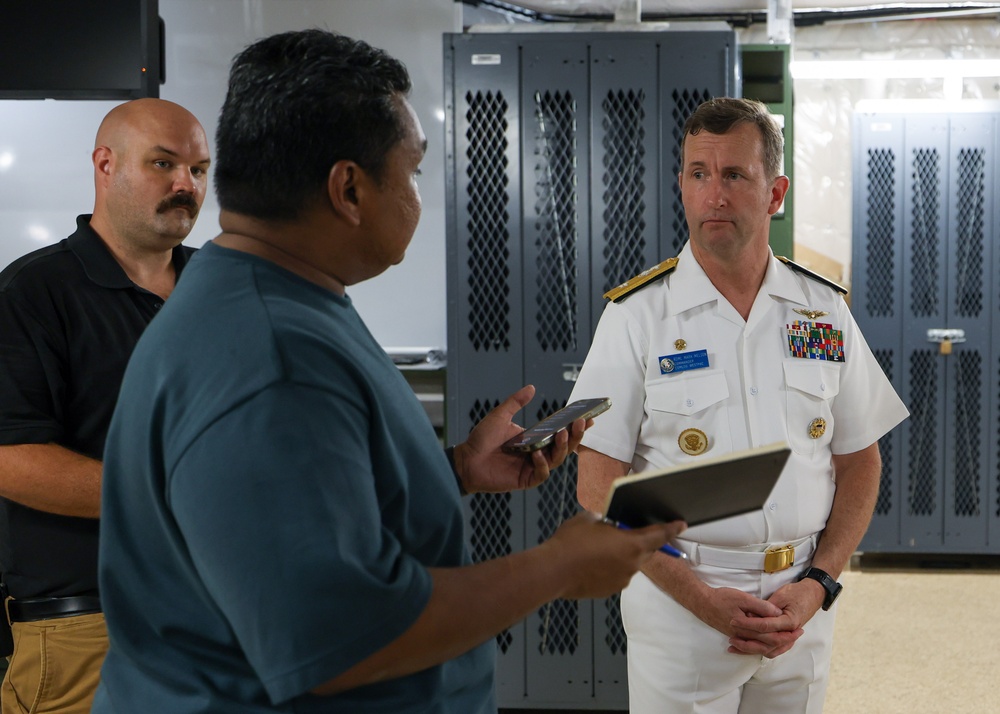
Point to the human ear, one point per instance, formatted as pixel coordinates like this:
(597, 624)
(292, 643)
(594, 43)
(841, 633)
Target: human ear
(343, 190)
(778, 190)
(103, 159)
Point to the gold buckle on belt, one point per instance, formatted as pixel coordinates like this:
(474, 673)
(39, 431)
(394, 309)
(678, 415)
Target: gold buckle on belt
(778, 558)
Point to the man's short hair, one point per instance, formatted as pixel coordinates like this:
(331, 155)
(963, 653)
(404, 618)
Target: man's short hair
(299, 102)
(719, 115)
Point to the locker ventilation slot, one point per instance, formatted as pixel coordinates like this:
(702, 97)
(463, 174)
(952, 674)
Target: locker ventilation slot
(923, 428)
(559, 626)
(489, 254)
(880, 226)
(970, 215)
(926, 231)
(615, 638)
(883, 505)
(968, 418)
(556, 210)
(684, 104)
(624, 169)
(490, 524)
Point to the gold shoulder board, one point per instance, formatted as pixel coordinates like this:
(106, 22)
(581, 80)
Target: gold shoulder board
(810, 274)
(643, 278)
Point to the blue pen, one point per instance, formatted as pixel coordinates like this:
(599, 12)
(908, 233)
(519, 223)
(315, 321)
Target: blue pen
(668, 549)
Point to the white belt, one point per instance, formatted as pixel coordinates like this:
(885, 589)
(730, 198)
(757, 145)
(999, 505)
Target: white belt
(769, 557)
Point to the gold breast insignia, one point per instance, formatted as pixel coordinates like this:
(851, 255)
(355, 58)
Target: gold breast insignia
(817, 427)
(811, 314)
(693, 442)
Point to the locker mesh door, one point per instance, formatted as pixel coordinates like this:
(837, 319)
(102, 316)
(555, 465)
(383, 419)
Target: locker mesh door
(557, 145)
(484, 290)
(948, 456)
(876, 293)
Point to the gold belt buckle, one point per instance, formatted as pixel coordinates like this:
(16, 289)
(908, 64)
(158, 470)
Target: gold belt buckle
(778, 558)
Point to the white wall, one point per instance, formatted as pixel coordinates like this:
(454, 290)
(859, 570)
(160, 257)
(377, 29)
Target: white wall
(824, 110)
(46, 178)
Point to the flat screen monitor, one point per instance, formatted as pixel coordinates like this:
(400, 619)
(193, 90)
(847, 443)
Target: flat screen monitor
(80, 49)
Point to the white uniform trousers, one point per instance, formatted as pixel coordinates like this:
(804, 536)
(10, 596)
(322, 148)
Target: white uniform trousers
(679, 665)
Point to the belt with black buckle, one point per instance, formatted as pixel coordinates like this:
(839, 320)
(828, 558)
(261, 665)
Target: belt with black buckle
(51, 608)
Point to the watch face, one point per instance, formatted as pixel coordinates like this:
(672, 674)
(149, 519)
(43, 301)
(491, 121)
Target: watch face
(831, 596)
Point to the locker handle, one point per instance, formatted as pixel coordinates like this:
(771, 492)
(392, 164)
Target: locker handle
(945, 335)
(945, 338)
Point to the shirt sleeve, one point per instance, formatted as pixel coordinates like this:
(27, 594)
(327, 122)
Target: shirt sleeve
(867, 406)
(615, 368)
(32, 376)
(285, 533)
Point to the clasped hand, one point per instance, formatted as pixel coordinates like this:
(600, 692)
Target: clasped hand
(483, 467)
(765, 628)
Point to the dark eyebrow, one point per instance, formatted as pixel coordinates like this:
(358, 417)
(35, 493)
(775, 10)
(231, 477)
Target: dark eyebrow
(164, 150)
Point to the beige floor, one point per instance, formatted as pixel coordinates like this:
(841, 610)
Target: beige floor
(917, 642)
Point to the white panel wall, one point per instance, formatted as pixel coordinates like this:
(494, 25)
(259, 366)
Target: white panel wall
(46, 178)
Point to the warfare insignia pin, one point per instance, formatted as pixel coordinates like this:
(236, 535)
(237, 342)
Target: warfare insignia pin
(811, 314)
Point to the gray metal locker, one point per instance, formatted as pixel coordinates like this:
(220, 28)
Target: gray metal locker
(925, 265)
(561, 183)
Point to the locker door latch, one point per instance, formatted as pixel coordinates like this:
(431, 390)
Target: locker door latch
(945, 338)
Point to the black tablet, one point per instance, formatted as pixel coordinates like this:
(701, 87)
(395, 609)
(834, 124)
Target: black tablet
(697, 493)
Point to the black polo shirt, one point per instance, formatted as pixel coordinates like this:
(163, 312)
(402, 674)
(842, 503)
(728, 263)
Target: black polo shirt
(69, 320)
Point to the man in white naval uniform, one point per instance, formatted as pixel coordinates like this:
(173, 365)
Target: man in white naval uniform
(726, 348)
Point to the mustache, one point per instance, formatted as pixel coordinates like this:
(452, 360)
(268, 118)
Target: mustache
(179, 200)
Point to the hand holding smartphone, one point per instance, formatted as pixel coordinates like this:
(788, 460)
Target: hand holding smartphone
(541, 434)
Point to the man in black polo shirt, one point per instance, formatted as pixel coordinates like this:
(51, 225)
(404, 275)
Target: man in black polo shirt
(70, 315)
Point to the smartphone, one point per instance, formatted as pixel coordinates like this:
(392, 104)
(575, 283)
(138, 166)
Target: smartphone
(540, 435)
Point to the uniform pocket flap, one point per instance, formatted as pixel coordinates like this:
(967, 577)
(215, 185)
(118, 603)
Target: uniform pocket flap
(813, 377)
(688, 395)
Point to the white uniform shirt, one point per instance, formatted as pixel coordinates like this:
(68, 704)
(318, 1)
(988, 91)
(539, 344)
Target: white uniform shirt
(753, 392)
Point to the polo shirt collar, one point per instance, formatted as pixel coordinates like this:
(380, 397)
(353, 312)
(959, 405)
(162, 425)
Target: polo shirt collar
(98, 262)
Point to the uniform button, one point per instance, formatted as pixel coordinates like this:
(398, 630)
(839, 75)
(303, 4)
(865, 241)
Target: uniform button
(689, 402)
(773, 506)
(157, 305)
(753, 391)
(822, 387)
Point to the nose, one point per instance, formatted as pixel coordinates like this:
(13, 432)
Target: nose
(716, 193)
(184, 181)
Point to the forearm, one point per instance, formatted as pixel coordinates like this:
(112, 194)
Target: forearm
(674, 577)
(468, 606)
(597, 471)
(585, 558)
(51, 478)
(857, 490)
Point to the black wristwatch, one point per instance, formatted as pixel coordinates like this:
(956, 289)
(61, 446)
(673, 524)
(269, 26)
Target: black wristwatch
(831, 586)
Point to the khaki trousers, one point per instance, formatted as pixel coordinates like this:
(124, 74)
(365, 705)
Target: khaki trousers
(56, 665)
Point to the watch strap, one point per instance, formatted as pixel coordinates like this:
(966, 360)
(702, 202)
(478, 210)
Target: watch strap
(831, 586)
